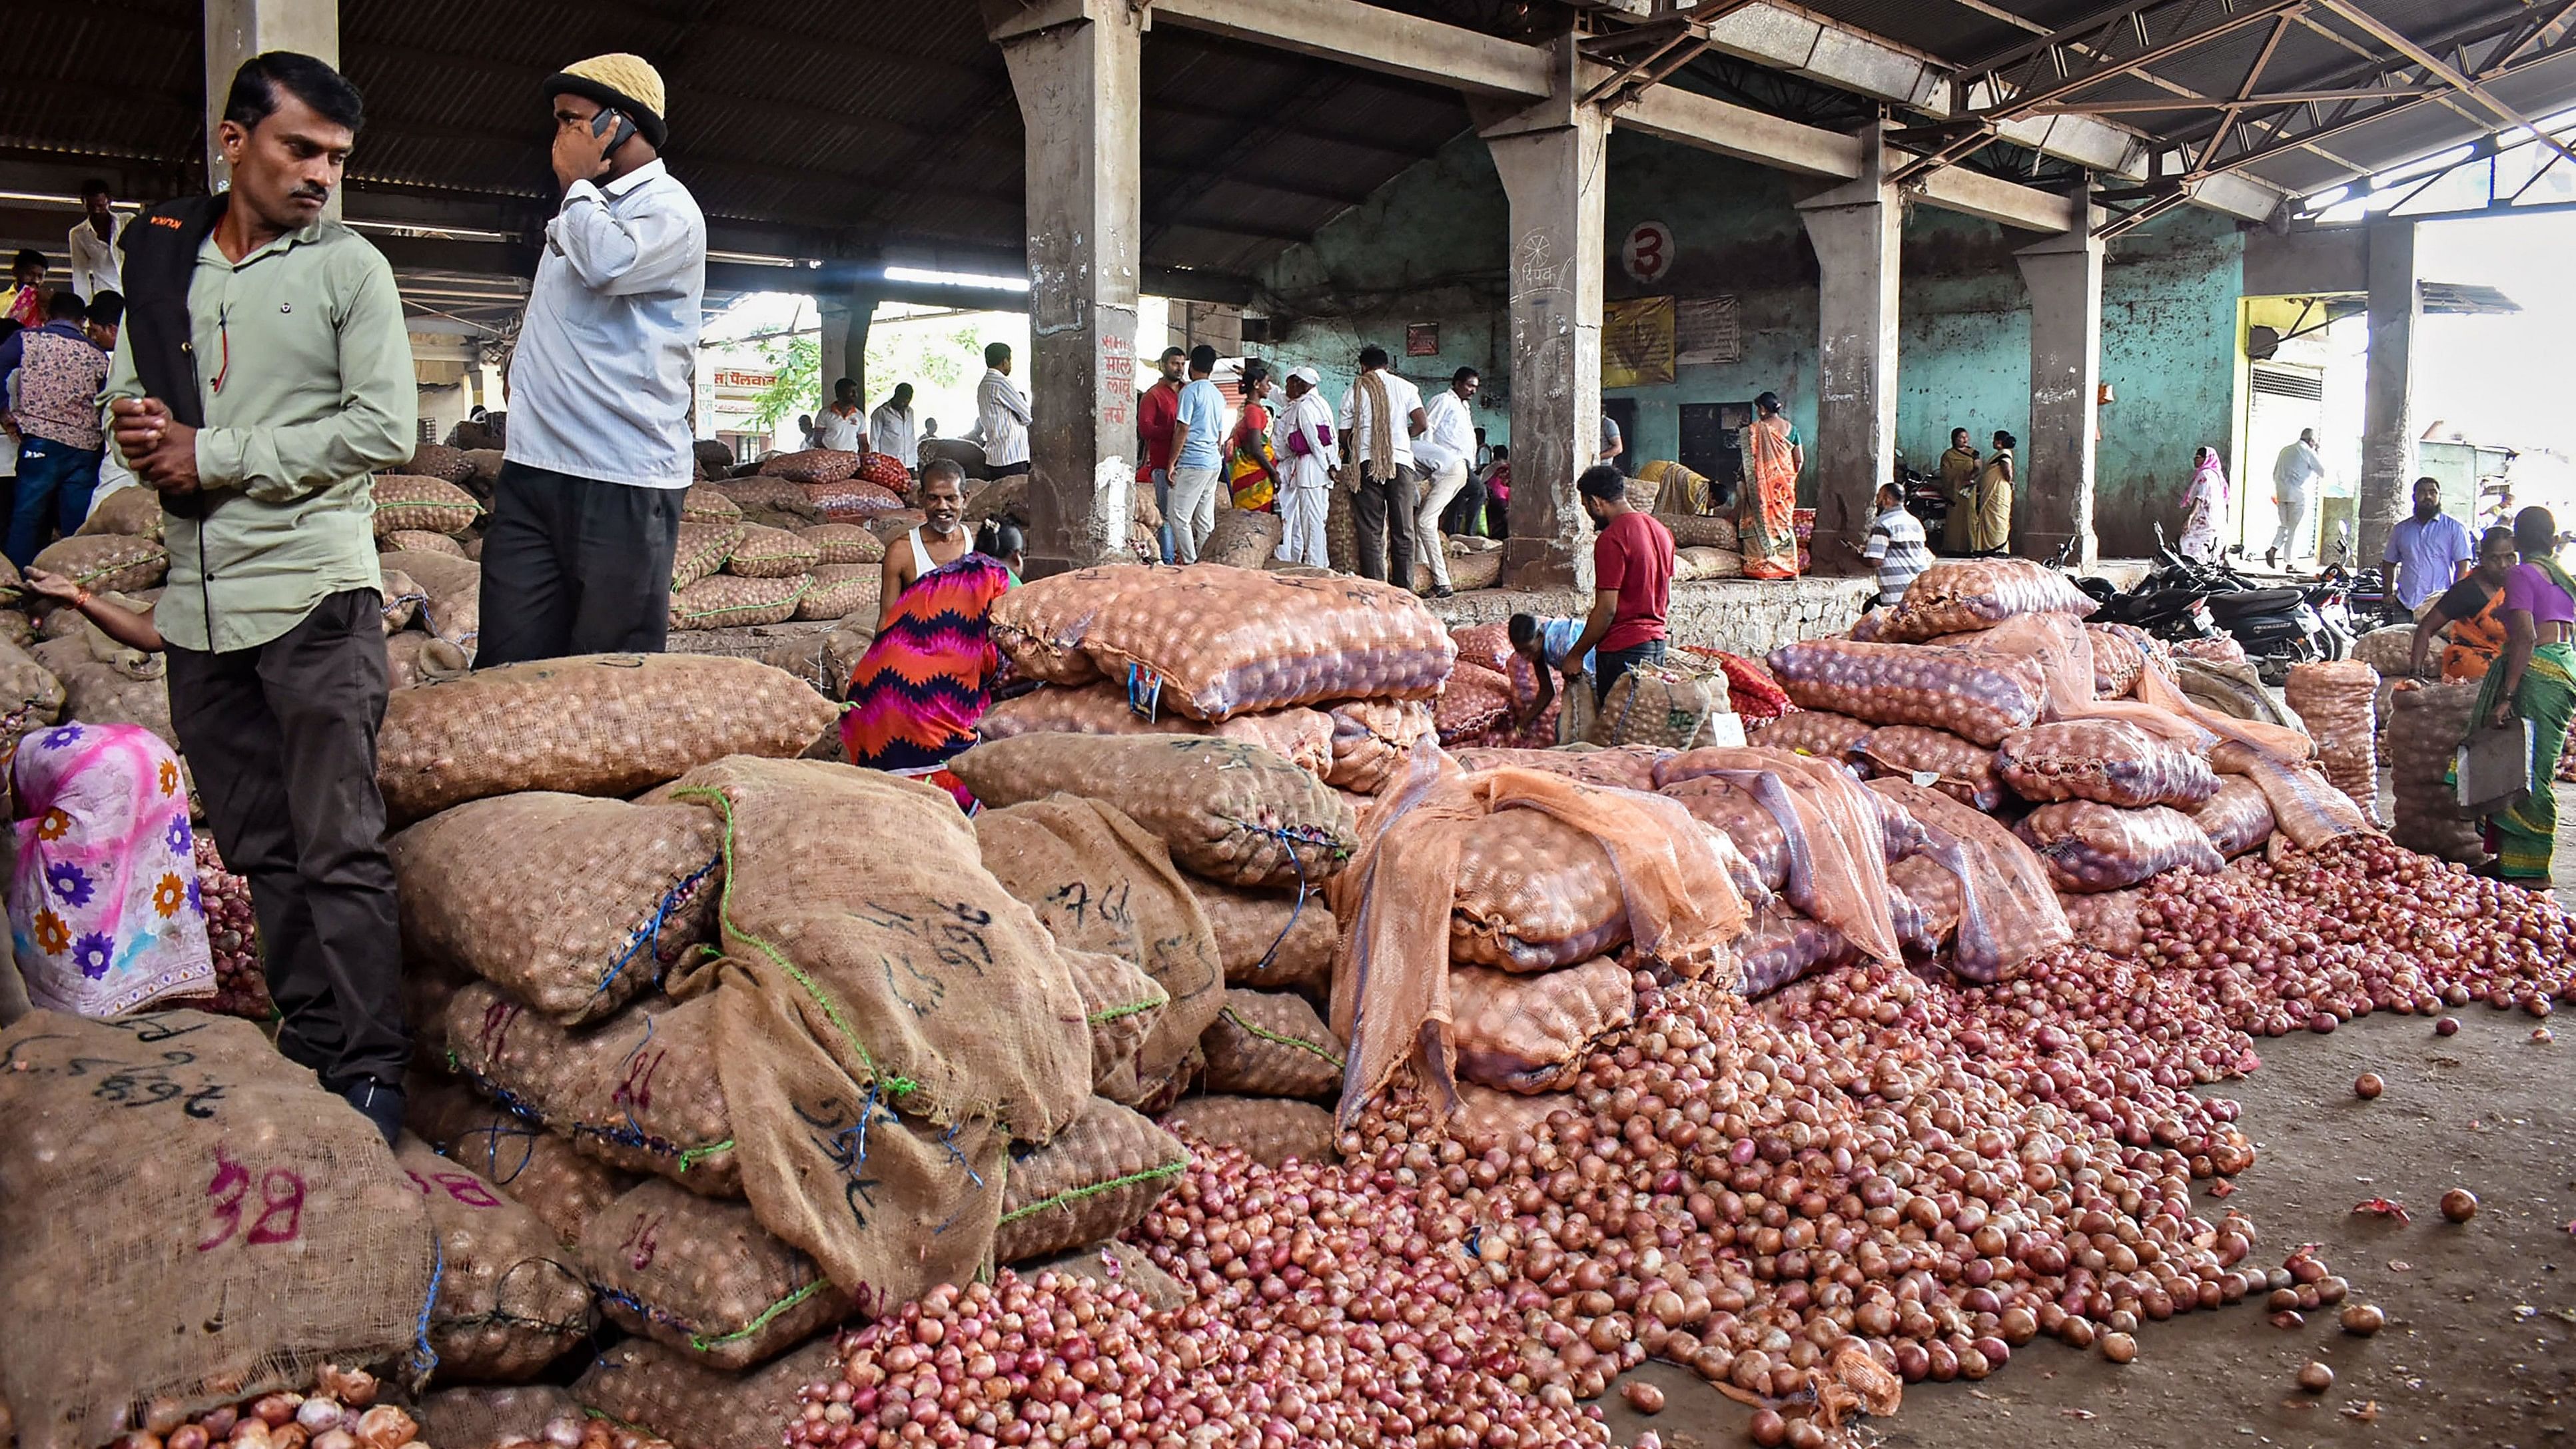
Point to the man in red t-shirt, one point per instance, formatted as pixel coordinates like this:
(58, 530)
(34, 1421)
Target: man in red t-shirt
(1632, 583)
(1157, 410)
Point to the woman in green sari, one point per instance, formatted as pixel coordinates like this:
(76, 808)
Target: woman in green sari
(2536, 681)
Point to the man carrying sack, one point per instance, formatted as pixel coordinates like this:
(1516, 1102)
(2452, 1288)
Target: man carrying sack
(261, 449)
(586, 512)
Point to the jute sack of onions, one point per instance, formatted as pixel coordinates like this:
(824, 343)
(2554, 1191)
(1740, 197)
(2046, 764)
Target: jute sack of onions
(1630, 767)
(1755, 832)
(2425, 726)
(402, 599)
(437, 460)
(1271, 1044)
(1268, 1130)
(1782, 946)
(638, 1091)
(1668, 708)
(1693, 530)
(1242, 538)
(2306, 810)
(135, 512)
(571, 904)
(1121, 1005)
(2117, 662)
(488, 1418)
(668, 1392)
(453, 609)
(1935, 758)
(414, 659)
(425, 505)
(702, 504)
(1304, 736)
(731, 601)
(2336, 702)
(1960, 594)
(812, 465)
(1826, 735)
(2107, 921)
(238, 1186)
(771, 553)
(1095, 1181)
(2237, 819)
(509, 1302)
(844, 543)
(1227, 811)
(1271, 940)
(1372, 740)
(840, 590)
(2110, 761)
(699, 1275)
(537, 1169)
(30, 696)
(2094, 847)
(1213, 642)
(702, 550)
(1099, 882)
(1534, 1033)
(608, 724)
(105, 563)
(1979, 697)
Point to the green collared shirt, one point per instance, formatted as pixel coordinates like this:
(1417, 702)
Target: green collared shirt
(304, 367)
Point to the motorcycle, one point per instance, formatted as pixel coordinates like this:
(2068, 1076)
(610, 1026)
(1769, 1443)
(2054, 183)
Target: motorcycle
(2277, 626)
(1926, 500)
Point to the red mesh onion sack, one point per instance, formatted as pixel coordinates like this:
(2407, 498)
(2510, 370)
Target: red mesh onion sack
(1937, 759)
(1960, 594)
(2095, 847)
(2237, 818)
(1534, 1033)
(1977, 696)
(2109, 761)
(1822, 733)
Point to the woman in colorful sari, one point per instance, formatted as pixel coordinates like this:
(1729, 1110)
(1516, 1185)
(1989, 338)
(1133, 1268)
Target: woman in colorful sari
(1766, 521)
(2206, 501)
(1251, 467)
(1990, 526)
(923, 684)
(2473, 610)
(2536, 681)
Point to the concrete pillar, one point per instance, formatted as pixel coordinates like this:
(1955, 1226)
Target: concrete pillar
(236, 30)
(1553, 159)
(1074, 66)
(2388, 392)
(2055, 502)
(845, 342)
(1856, 228)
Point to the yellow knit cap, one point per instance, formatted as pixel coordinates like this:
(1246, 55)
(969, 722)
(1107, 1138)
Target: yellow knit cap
(629, 82)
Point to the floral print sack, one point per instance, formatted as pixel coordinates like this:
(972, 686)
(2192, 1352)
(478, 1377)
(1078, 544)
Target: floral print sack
(104, 908)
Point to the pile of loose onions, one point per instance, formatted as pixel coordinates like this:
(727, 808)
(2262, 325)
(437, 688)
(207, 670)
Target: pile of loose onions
(241, 987)
(340, 1413)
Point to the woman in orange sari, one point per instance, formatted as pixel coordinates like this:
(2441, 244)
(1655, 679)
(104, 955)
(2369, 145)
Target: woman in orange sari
(1766, 523)
(2473, 610)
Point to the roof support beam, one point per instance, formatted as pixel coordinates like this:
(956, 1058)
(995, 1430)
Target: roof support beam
(2391, 37)
(2214, 103)
(1388, 42)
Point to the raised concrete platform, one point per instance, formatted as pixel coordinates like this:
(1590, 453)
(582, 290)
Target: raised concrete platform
(1741, 616)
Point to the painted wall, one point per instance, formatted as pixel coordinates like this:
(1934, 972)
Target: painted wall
(1429, 247)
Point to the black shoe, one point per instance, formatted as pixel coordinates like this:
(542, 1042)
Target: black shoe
(2271, 558)
(380, 1104)
(1442, 591)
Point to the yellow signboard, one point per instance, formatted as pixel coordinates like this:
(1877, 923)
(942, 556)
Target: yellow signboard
(1637, 342)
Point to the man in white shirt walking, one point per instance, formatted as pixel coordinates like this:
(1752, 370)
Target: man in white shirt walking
(586, 512)
(1444, 452)
(2294, 474)
(1001, 415)
(892, 429)
(1381, 416)
(93, 242)
(842, 427)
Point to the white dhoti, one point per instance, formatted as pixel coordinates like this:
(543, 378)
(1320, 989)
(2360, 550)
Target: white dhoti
(1301, 516)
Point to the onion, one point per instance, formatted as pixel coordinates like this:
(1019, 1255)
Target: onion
(2459, 1205)
(2315, 1377)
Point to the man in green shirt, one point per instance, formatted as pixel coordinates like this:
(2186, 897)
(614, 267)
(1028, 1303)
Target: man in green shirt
(263, 374)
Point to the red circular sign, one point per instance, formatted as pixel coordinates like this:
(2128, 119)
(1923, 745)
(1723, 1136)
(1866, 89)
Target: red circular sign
(1647, 255)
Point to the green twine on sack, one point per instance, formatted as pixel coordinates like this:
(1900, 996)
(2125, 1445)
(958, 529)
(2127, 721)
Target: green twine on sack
(632, 1137)
(1118, 1013)
(700, 1342)
(1287, 1041)
(897, 1085)
(1073, 1195)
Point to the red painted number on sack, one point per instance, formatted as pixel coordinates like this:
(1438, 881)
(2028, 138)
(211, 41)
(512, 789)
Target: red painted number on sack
(459, 1186)
(642, 1240)
(497, 1020)
(636, 1091)
(281, 1204)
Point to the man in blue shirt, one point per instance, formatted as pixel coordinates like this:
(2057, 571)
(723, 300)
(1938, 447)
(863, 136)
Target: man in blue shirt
(1198, 458)
(2427, 553)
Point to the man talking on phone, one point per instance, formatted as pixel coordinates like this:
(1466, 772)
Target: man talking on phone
(586, 512)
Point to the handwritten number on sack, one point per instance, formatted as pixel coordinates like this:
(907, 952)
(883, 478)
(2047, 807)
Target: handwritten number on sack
(281, 1204)
(846, 1150)
(642, 1241)
(460, 1186)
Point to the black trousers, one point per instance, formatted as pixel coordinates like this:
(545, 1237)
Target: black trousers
(1382, 512)
(1466, 512)
(575, 566)
(1609, 664)
(282, 737)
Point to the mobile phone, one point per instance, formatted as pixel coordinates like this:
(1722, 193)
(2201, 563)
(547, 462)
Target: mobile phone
(601, 125)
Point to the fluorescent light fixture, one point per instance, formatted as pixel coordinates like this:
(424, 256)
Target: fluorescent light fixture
(749, 259)
(426, 229)
(956, 279)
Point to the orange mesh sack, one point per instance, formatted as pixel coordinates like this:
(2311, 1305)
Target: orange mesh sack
(1533, 1033)
(1926, 901)
(1095, 1181)
(1372, 740)
(638, 1092)
(1274, 940)
(1978, 696)
(1835, 831)
(1782, 946)
(1475, 700)
(1825, 735)
(699, 1275)
(1215, 642)
(1099, 882)
(1303, 736)
(573, 905)
(2117, 662)
(2103, 760)
(1960, 594)
(510, 1301)
(2306, 809)
(607, 724)
(1630, 767)
(2094, 847)
(1936, 758)
(429, 505)
(2337, 702)
(668, 1393)
(2007, 909)
(2237, 819)
(812, 465)
(1270, 1130)
(193, 1219)
(1271, 1044)
(1756, 834)
(1228, 812)
(1534, 893)
(2107, 921)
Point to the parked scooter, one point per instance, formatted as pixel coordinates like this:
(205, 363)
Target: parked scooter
(2277, 626)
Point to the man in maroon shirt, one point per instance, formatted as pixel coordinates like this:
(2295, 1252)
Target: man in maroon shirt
(1157, 411)
(1632, 583)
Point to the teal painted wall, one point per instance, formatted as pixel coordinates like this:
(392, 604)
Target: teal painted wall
(1430, 247)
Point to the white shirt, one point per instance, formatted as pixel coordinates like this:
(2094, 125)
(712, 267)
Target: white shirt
(1312, 416)
(1450, 436)
(831, 430)
(606, 365)
(1402, 398)
(893, 430)
(2299, 466)
(94, 262)
(1001, 420)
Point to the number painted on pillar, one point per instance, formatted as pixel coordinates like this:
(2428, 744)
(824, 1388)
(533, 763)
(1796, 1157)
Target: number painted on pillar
(1647, 255)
